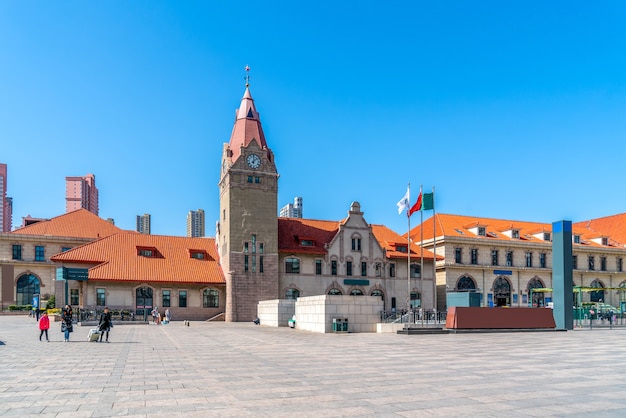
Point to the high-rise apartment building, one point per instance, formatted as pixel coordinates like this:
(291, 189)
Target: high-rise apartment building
(6, 203)
(292, 210)
(143, 223)
(81, 192)
(195, 223)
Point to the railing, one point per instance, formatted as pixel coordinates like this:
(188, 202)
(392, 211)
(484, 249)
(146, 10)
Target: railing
(415, 316)
(86, 315)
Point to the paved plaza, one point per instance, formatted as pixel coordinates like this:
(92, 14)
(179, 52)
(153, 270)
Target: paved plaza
(222, 369)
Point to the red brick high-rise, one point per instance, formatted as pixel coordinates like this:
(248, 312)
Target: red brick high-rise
(81, 192)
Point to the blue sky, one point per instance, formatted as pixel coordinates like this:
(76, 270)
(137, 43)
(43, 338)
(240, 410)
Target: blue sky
(512, 110)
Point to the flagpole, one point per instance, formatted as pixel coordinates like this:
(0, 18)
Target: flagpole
(435, 253)
(422, 257)
(408, 268)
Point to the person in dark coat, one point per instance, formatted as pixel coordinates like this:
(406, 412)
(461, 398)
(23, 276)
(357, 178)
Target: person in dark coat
(105, 324)
(66, 322)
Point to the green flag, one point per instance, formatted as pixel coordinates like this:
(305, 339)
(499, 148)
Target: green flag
(428, 201)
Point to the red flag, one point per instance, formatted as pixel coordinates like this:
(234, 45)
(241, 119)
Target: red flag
(417, 206)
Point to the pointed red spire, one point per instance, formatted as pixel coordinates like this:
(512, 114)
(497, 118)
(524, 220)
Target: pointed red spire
(247, 127)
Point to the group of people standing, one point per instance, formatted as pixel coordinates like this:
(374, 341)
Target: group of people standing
(156, 315)
(105, 324)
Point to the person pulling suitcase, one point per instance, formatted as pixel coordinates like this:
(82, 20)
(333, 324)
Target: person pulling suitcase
(105, 324)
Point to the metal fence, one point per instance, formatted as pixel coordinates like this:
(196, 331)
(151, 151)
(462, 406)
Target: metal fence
(88, 315)
(416, 316)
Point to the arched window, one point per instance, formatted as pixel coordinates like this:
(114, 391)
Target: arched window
(465, 284)
(537, 297)
(356, 292)
(334, 291)
(211, 298)
(27, 286)
(597, 295)
(292, 294)
(143, 302)
(379, 293)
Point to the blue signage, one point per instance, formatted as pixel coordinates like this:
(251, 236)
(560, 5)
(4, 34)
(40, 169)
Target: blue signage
(503, 272)
(356, 282)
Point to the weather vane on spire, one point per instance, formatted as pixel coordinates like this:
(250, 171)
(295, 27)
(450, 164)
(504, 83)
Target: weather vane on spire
(247, 76)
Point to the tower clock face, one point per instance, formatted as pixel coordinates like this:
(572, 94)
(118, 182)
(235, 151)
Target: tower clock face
(253, 161)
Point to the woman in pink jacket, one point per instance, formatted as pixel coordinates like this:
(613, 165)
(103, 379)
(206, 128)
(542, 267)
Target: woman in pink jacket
(44, 325)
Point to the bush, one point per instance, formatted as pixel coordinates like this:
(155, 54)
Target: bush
(54, 311)
(51, 302)
(14, 308)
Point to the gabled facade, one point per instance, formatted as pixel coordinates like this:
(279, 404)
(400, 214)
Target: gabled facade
(352, 257)
(504, 260)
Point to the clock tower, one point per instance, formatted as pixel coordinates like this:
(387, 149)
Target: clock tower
(247, 230)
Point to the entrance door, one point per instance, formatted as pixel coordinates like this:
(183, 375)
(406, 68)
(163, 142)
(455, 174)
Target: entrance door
(502, 292)
(143, 306)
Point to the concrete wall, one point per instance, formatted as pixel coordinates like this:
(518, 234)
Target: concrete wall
(316, 313)
(276, 312)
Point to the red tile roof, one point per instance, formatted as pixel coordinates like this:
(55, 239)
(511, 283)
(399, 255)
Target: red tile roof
(390, 240)
(117, 259)
(292, 231)
(77, 224)
(613, 227)
(459, 226)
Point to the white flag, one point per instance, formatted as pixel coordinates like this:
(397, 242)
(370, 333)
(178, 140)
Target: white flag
(404, 202)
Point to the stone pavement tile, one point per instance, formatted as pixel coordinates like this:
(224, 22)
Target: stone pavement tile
(218, 369)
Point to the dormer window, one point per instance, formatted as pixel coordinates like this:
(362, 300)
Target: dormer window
(307, 242)
(149, 252)
(402, 248)
(546, 236)
(576, 239)
(605, 241)
(198, 254)
(482, 231)
(515, 233)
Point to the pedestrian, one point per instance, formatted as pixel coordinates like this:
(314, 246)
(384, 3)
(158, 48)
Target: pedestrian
(155, 315)
(66, 322)
(44, 325)
(168, 315)
(105, 324)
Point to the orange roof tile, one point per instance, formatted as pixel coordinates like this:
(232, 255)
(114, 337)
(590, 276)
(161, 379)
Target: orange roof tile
(389, 240)
(77, 224)
(613, 226)
(459, 225)
(117, 258)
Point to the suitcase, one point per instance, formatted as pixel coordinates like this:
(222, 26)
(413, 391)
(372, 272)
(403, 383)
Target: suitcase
(94, 334)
